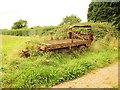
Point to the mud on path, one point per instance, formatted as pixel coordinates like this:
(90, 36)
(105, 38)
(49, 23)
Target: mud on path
(106, 77)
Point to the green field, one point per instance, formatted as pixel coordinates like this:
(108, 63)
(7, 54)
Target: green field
(49, 68)
(46, 69)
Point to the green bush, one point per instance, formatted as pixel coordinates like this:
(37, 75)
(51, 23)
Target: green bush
(60, 31)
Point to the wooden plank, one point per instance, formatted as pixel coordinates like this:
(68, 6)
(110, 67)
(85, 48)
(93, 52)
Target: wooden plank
(78, 36)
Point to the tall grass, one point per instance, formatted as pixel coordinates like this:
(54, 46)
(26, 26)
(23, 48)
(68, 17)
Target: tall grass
(41, 72)
(50, 68)
(46, 69)
(107, 42)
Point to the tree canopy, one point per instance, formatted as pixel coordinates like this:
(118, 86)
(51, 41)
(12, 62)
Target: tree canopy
(72, 19)
(19, 24)
(104, 12)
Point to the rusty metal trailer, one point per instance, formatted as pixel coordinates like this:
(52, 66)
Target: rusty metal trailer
(81, 38)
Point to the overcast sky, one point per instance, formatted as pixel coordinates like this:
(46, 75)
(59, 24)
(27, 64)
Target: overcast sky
(40, 12)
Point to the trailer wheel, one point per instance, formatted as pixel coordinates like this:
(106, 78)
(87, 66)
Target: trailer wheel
(82, 48)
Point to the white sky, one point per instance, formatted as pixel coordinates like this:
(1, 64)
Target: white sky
(41, 12)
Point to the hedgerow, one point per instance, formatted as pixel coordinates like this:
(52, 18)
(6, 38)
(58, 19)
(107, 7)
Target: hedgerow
(60, 31)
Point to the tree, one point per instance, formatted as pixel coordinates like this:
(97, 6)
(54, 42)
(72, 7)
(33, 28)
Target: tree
(19, 24)
(104, 12)
(72, 19)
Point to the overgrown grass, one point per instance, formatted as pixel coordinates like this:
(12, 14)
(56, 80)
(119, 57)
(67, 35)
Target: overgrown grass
(50, 68)
(46, 69)
(41, 71)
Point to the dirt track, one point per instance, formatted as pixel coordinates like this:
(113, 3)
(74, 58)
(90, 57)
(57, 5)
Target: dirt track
(101, 78)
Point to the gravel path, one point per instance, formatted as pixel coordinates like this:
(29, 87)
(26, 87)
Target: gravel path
(101, 78)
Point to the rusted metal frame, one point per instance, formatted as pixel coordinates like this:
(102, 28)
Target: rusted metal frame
(65, 45)
(78, 36)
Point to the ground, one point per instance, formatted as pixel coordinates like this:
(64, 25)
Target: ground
(101, 78)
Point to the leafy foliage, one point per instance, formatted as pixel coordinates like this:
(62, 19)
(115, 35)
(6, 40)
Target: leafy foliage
(60, 32)
(19, 24)
(72, 19)
(104, 12)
